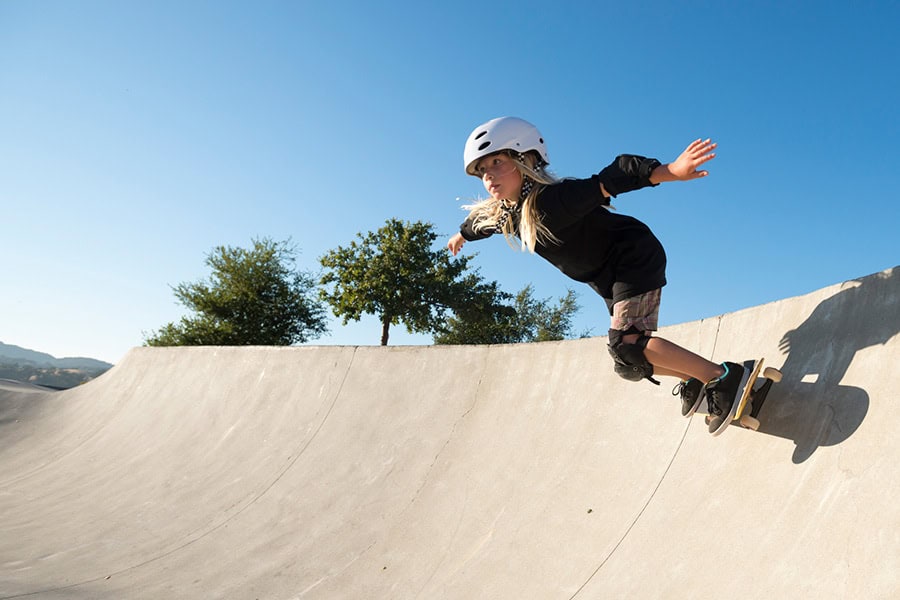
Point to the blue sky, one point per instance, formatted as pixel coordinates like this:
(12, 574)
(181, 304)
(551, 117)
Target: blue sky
(137, 136)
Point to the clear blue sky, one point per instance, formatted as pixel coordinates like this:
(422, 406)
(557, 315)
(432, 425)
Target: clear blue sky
(137, 136)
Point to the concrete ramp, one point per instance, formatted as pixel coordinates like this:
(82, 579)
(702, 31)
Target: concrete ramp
(522, 471)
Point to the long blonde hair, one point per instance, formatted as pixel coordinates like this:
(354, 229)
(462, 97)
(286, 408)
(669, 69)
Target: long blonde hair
(490, 213)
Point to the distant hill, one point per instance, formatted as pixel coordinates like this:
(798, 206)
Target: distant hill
(21, 364)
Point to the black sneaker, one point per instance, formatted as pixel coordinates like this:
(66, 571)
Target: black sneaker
(722, 395)
(691, 392)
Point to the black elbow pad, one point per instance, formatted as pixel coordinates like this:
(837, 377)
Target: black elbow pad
(628, 172)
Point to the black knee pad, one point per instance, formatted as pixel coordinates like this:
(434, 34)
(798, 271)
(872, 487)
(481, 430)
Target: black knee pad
(629, 359)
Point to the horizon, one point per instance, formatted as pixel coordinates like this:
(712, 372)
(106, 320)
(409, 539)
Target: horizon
(313, 343)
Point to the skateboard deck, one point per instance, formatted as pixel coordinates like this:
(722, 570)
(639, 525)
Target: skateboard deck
(753, 396)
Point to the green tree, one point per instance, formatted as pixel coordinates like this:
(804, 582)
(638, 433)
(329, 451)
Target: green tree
(540, 321)
(396, 275)
(495, 317)
(253, 297)
(485, 316)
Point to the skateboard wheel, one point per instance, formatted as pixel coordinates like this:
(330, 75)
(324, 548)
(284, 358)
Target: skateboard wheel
(772, 373)
(750, 422)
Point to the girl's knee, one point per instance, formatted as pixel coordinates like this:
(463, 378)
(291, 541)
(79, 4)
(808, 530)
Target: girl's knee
(627, 352)
(632, 338)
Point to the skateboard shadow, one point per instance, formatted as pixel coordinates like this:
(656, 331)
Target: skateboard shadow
(811, 406)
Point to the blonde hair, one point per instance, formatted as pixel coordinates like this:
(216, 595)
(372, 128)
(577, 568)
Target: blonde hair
(488, 214)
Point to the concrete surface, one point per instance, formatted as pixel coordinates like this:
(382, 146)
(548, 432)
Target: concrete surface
(524, 471)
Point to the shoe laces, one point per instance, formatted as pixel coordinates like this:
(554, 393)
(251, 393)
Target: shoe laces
(712, 397)
(679, 388)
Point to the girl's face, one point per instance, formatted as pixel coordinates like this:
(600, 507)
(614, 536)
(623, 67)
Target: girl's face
(500, 177)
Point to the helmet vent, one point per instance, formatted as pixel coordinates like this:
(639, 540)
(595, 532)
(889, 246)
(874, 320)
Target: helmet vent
(481, 135)
(484, 145)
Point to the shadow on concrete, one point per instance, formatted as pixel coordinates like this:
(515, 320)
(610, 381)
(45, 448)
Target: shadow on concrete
(811, 406)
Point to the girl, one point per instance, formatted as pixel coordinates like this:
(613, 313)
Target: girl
(569, 223)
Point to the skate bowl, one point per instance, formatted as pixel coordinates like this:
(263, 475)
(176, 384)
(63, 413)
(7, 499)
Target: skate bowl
(520, 471)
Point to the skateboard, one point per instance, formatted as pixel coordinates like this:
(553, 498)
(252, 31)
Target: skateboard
(753, 397)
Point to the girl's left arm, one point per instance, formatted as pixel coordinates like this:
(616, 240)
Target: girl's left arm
(627, 173)
(686, 166)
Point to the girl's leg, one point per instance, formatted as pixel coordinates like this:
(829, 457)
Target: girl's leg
(641, 313)
(669, 359)
(668, 373)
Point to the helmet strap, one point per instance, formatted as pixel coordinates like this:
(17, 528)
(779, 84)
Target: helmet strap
(507, 212)
(527, 186)
(538, 161)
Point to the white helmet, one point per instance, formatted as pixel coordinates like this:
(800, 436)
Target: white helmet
(505, 133)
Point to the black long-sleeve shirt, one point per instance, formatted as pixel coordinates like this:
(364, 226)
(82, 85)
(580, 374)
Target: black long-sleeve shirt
(617, 255)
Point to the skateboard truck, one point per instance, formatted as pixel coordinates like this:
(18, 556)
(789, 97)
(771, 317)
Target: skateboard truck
(749, 416)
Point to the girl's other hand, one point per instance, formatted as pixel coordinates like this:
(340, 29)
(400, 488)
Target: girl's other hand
(456, 243)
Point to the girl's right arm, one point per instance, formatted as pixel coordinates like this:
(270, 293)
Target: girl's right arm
(456, 243)
(467, 233)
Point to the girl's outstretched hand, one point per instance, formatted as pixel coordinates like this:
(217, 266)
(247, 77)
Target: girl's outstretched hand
(456, 243)
(686, 166)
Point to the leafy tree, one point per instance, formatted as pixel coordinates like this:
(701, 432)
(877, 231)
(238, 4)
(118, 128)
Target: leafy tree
(253, 297)
(485, 316)
(539, 321)
(394, 274)
(495, 317)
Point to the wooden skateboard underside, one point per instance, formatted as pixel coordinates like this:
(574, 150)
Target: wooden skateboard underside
(753, 396)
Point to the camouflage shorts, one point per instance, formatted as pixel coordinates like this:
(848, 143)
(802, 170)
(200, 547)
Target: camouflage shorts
(640, 312)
